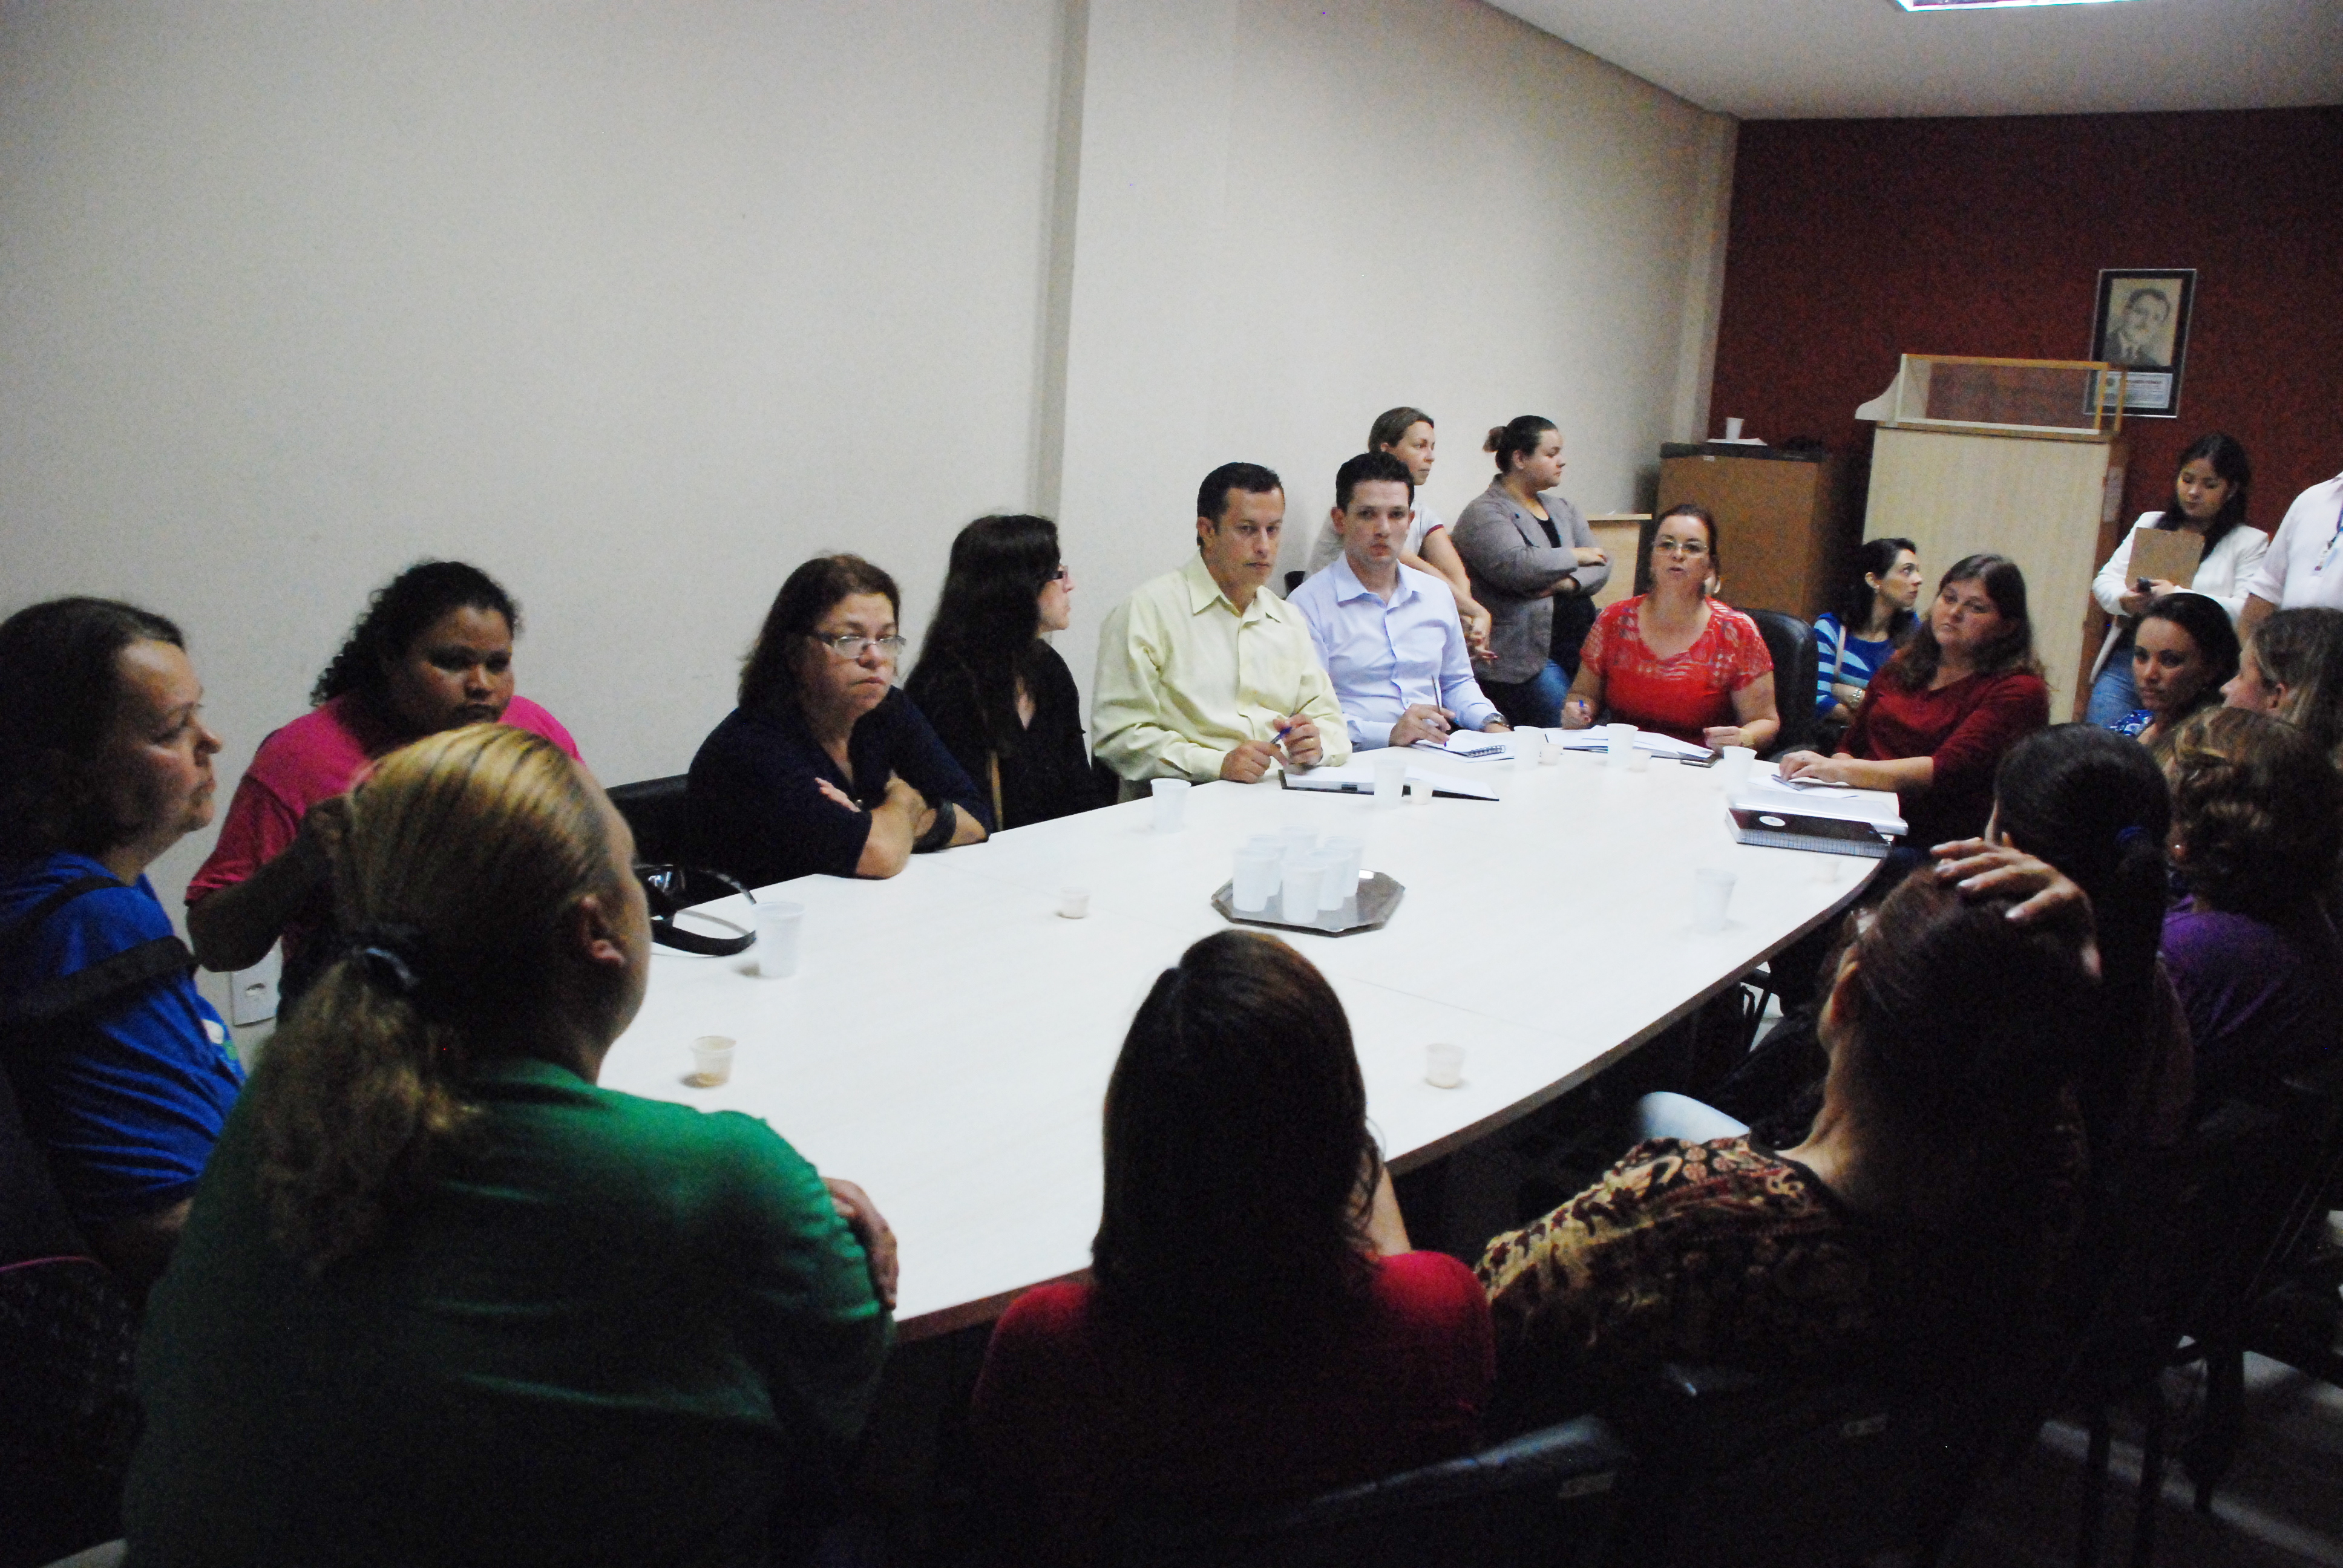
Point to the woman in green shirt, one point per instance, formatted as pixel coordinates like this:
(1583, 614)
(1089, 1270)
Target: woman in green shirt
(441, 1298)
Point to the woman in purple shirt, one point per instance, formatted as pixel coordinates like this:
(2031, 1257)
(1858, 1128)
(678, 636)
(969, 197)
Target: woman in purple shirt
(2257, 829)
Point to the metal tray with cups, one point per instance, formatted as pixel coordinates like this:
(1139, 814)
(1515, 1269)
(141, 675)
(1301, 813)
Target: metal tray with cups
(1366, 909)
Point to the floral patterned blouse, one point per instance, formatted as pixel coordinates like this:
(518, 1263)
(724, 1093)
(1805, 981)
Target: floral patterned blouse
(1715, 1252)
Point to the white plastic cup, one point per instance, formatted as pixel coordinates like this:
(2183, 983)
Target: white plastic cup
(778, 925)
(1712, 894)
(1733, 429)
(712, 1061)
(1298, 841)
(1619, 742)
(1443, 1066)
(1353, 850)
(1259, 869)
(1074, 903)
(1525, 745)
(1391, 774)
(1303, 875)
(1171, 803)
(1733, 771)
(1331, 890)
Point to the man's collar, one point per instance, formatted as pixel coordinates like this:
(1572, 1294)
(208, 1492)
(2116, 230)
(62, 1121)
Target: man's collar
(1348, 586)
(1204, 590)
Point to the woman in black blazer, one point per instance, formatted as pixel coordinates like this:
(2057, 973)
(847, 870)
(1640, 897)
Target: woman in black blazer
(1001, 698)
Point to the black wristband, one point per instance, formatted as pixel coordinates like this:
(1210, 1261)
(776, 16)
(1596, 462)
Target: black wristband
(940, 831)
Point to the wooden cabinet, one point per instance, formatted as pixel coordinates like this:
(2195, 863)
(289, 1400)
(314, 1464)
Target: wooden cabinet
(1777, 521)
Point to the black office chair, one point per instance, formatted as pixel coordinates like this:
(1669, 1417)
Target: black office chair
(1544, 1499)
(653, 808)
(1738, 1466)
(1796, 653)
(1293, 581)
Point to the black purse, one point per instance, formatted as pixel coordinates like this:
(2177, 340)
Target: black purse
(672, 890)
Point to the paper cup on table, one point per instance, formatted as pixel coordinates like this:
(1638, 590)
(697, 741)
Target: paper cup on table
(1443, 1066)
(1074, 903)
(777, 926)
(1619, 744)
(1304, 873)
(1733, 429)
(1712, 895)
(1525, 745)
(1391, 774)
(1298, 841)
(1259, 869)
(711, 1060)
(1733, 771)
(1171, 803)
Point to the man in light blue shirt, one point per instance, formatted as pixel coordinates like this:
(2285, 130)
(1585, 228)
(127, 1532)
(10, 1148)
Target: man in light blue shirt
(1387, 634)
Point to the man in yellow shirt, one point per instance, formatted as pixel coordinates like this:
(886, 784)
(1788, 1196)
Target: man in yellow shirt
(1203, 675)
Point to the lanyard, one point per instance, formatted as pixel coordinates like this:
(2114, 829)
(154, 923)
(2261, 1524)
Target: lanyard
(2332, 540)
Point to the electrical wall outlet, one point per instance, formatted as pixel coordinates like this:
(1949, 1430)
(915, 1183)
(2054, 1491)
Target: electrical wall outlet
(252, 993)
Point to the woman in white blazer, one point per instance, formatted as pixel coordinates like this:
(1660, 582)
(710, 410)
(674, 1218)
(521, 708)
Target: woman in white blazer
(2208, 499)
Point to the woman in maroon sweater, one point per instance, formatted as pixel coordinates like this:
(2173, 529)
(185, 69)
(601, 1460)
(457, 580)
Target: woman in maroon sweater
(1255, 1328)
(1935, 723)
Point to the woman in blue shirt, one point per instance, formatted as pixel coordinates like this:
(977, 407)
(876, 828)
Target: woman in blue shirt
(124, 1074)
(1873, 615)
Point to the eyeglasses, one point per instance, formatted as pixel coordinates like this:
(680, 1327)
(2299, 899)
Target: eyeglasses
(1686, 547)
(850, 644)
(1064, 574)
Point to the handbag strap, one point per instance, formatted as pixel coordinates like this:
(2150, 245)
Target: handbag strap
(992, 766)
(82, 990)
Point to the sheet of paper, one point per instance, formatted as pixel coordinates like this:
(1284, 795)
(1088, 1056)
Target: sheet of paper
(1646, 739)
(1466, 743)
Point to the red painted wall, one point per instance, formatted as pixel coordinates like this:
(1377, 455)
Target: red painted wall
(1854, 241)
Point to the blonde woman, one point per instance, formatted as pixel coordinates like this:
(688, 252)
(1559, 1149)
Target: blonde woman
(441, 1298)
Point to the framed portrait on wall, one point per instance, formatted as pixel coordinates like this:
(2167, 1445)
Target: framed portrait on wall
(2142, 325)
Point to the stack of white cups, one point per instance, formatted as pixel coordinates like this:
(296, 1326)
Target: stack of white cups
(1259, 866)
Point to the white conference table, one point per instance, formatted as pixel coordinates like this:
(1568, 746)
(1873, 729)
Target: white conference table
(947, 1039)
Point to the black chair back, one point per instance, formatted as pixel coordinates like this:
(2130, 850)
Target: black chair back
(1738, 1466)
(653, 808)
(1544, 1499)
(1796, 658)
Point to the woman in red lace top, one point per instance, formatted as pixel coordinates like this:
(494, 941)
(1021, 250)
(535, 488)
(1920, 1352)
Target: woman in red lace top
(1674, 659)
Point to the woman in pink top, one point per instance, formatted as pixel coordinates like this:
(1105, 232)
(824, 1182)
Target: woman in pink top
(432, 652)
(1256, 1328)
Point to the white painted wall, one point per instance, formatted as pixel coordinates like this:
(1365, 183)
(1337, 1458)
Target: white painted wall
(637, 306)
(1293, 216)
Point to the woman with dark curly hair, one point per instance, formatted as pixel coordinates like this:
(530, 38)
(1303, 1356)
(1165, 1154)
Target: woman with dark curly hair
(433, 652)
(1256, 1327)
(2256, 827)
(998, 693)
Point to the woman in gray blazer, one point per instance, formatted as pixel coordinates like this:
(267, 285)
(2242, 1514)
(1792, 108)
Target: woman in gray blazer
(1527, 550)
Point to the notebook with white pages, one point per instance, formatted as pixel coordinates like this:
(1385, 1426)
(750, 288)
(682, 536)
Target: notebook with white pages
(1831, 819)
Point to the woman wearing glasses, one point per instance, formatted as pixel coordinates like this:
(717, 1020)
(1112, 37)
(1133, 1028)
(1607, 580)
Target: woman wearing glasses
(998, 693)
(824, 766)
(1674, 659)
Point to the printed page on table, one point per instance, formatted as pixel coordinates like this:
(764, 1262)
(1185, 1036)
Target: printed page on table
(1650, 740)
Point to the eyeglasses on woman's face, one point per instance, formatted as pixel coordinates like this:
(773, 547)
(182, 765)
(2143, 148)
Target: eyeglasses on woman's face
(1690, 550)
(853, 644)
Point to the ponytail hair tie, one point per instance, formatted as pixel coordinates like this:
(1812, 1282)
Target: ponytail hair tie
(391, 956)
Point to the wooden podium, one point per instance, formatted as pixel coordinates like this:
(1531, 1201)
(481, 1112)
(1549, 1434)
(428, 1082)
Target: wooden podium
(2010, 456)
(1777, 518)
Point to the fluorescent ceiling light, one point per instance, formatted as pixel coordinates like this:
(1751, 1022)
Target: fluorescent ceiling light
(1988, 5)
